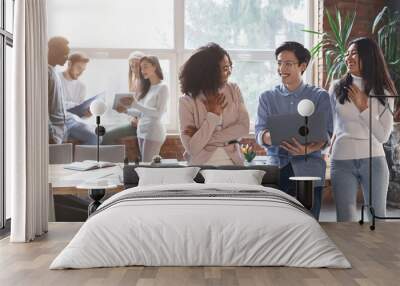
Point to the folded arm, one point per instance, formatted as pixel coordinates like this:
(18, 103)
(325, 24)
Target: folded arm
(239, 129)
(194, 144)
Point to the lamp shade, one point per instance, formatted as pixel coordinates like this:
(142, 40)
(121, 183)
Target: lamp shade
(98, 107)
(305, 107)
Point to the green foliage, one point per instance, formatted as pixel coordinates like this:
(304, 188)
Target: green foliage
(240, 24)
(248, 152)
(386, 29)
(334, 43)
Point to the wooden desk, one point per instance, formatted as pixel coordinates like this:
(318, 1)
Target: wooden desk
(64, 181)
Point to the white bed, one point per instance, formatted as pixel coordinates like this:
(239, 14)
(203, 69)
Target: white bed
(183, 230)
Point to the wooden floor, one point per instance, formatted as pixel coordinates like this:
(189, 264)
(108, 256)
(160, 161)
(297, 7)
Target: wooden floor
(374, 255)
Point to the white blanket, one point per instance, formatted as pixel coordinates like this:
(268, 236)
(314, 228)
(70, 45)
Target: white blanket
(219, 231)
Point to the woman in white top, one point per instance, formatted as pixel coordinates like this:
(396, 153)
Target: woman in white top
(129, 128)
(367, 75)
(149, 107)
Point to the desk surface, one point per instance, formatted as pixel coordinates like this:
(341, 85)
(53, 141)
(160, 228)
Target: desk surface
(64, 181)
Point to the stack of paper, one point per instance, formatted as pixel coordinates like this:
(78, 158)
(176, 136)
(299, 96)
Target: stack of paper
(88, 165)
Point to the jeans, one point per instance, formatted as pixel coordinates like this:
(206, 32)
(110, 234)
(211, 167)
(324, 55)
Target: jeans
(81, 131)
(347, 175)
(114, 134)
(289, 187)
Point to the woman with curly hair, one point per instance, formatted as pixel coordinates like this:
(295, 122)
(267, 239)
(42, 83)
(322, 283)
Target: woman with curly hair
(213, 116)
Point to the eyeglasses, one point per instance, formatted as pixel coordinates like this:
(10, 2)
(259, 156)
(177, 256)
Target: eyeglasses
(287, 64)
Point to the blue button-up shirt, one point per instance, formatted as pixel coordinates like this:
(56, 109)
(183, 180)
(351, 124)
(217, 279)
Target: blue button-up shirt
(280, 100)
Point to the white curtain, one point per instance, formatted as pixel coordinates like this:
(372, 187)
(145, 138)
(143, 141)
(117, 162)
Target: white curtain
(26, 117)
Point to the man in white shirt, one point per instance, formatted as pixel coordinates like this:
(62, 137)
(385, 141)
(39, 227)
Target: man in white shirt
(74, 94)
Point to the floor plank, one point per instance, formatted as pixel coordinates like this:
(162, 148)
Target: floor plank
(374, 255)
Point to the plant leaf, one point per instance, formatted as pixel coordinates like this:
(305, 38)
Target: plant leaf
(378, 19)
(349, 27)
(312, 32)
(334, 26)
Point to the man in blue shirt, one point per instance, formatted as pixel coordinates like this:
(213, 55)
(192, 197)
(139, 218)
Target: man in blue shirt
(292, 60)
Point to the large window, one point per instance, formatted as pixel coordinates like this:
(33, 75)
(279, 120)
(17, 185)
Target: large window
(172, 30)
(6, 42)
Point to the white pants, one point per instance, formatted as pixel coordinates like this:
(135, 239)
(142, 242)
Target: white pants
(148, 149)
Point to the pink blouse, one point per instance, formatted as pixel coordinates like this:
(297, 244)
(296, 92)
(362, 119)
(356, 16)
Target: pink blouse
(210, 135)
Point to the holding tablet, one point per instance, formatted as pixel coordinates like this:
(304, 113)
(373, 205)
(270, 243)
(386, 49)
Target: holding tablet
(119, 96)
(285, 127)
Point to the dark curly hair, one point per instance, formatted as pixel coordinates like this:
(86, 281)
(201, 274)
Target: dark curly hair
(201, 72)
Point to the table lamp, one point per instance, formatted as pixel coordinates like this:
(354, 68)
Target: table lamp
(305, 108)
(97, 108)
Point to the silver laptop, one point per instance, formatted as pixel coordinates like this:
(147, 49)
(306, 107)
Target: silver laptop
(284, 127)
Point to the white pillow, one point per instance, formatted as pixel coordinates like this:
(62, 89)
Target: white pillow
(166, 176)
(248, 177)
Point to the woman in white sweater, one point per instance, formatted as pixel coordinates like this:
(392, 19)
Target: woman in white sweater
(367, 75)
(149, 108)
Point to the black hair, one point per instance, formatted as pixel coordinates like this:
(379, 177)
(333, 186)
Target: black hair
(374, 71)
(301, 53)
(201, 72)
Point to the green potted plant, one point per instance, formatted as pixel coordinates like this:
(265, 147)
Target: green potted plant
(334, 43)
(386, 29)
(248, 152)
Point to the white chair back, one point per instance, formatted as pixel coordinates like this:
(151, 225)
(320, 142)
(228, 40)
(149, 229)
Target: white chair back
(108, 153)
(60, 153)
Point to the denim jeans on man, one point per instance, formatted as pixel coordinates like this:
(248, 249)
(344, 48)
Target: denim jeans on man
(79, 130)
(347, 175)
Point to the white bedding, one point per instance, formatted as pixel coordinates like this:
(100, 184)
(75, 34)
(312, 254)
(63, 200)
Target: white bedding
(200, 231)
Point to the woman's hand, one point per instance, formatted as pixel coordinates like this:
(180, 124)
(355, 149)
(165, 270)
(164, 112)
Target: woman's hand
(190, 131)
(358, 97)
(296, 149)
(215, 103)
(87, 113)
(134, 122)
(127, 101)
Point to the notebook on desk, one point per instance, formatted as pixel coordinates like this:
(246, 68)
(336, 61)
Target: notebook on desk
(88, 165)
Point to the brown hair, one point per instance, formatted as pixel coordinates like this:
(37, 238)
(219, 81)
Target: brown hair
(78, 57)
(145, 83)
(135, 55)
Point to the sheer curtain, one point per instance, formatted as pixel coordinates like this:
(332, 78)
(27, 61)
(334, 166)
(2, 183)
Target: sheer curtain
(26, 119)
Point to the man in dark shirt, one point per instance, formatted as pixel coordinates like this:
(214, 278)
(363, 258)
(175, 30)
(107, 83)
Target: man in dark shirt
(58, 51)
